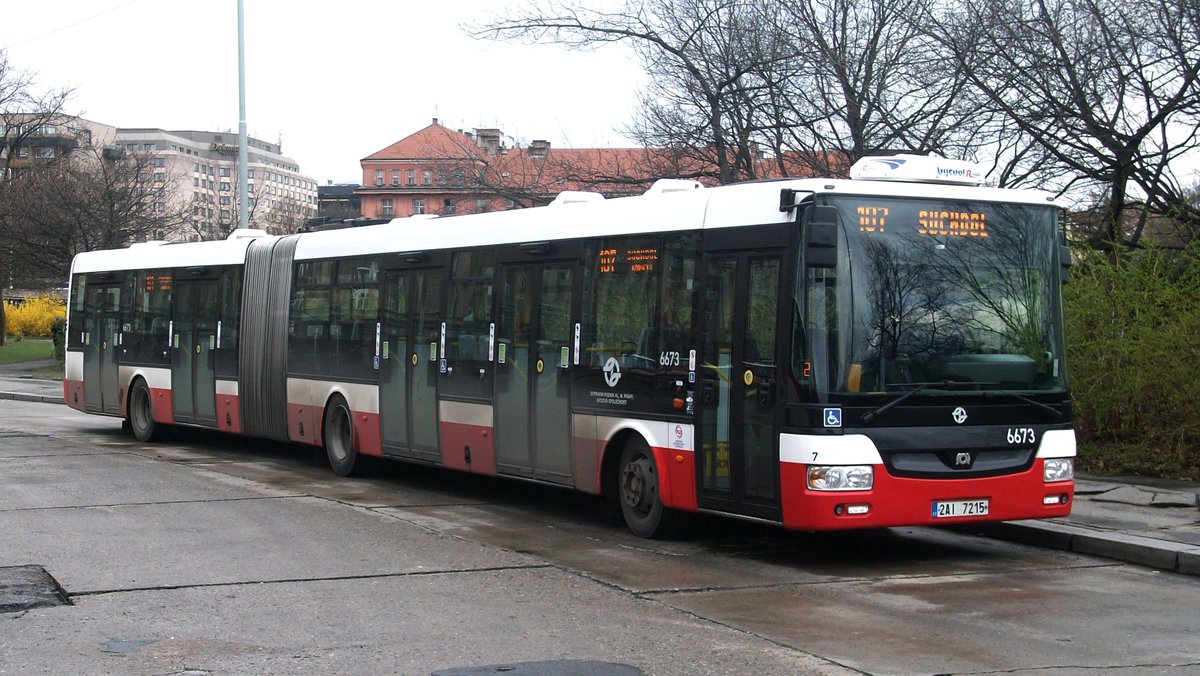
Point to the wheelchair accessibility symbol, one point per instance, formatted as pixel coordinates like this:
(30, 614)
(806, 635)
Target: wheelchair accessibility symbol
(833, 417)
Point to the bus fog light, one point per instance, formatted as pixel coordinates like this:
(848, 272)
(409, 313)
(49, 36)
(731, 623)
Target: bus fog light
(858, 509)
(840, 477)
(1058, 469)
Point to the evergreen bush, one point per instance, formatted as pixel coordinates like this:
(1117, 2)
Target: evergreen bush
(1133, 343)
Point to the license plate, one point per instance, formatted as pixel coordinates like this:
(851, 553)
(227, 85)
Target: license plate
(952, 508)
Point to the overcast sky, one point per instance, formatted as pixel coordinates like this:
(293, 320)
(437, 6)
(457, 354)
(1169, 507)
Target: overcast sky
(334, 81)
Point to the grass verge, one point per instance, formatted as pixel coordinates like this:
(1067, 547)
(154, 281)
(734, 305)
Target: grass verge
(1132, 459)
(26, 349)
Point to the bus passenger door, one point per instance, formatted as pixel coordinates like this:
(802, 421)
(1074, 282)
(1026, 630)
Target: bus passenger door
(194, 349)
(408, 404)
(102, 327)
(737, 436)
(534, 338)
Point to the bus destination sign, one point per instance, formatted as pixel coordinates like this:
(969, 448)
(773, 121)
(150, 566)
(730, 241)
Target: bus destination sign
(635, 260)
(874, 218)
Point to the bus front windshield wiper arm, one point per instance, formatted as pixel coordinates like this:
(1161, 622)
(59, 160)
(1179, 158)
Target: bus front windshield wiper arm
(876, 412)
(1057, 414)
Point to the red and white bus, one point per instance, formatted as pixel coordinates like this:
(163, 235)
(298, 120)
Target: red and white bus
(817, 353)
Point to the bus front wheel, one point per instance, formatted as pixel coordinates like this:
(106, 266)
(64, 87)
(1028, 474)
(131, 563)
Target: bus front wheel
(638, 493)
(339, 438)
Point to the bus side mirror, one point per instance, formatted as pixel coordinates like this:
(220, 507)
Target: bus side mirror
(820, 237)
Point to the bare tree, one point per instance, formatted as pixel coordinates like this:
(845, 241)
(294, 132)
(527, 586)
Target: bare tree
(279, 217)
(210, 217)
(24, 111)
(695, 53)
(870, 81)
(1108, 90)
(739, 88)
(717, 93)
(92, 199)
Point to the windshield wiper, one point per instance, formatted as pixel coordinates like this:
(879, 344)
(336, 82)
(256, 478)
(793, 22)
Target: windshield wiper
(1057, 414)
(876, 412)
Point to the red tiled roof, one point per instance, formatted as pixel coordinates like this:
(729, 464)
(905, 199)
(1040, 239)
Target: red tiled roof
(546, 171)
(432, 142)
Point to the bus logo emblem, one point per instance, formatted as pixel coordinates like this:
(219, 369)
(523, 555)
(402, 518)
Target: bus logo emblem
(612, 372)
(959, 415)
(962, 460)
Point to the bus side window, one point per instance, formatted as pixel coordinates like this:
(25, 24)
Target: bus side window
(147, 317)
(231, 309)
(620, 321)
(308, 327)
(77, 326)
(677, 336)
(470, 306)
(354, 314)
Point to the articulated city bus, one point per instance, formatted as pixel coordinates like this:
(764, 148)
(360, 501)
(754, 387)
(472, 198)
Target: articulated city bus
(817, 353)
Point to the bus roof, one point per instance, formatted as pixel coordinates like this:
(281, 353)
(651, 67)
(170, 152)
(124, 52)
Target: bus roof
(752, 203)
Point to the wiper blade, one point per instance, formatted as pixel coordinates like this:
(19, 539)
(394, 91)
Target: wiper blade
(876, 412)
(1057, 414)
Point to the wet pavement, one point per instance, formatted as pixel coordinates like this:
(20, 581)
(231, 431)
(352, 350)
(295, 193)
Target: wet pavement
(1154, 523)
(214, 554)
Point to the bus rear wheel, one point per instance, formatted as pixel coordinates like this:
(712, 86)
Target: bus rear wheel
(339, 438)
(638, 493)
(141, 415)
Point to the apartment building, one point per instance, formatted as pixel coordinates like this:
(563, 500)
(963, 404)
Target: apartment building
(28, 139)
(200, 171)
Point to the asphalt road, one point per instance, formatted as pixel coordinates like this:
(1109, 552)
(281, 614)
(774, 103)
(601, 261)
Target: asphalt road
(211, 554)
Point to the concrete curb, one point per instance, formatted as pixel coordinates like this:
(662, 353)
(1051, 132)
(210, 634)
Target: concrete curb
(1176, 557)
(38, 398)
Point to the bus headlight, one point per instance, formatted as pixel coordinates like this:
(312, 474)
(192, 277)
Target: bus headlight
(840, 477)
(1058, 469)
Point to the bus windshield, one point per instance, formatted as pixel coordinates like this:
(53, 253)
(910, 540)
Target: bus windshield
(941, 295)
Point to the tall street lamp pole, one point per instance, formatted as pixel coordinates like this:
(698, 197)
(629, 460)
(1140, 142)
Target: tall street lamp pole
(243, 154)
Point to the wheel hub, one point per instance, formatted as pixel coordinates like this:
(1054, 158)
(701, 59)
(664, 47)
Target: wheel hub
(637, 485)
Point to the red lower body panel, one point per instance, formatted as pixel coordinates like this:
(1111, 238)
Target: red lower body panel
(459, 438)
(229, 417)
(367, 439)
(73, 394)
(162, 405)
(896, 501)
(677, 483)
(305, 425)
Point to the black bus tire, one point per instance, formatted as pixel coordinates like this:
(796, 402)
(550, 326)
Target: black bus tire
(339, 438)
(638, 493)
(141, 414)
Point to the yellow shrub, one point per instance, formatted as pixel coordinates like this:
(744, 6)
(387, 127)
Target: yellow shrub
(35, 316)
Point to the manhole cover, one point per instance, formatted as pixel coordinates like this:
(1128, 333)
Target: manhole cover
(547, 668)
(26, 587)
